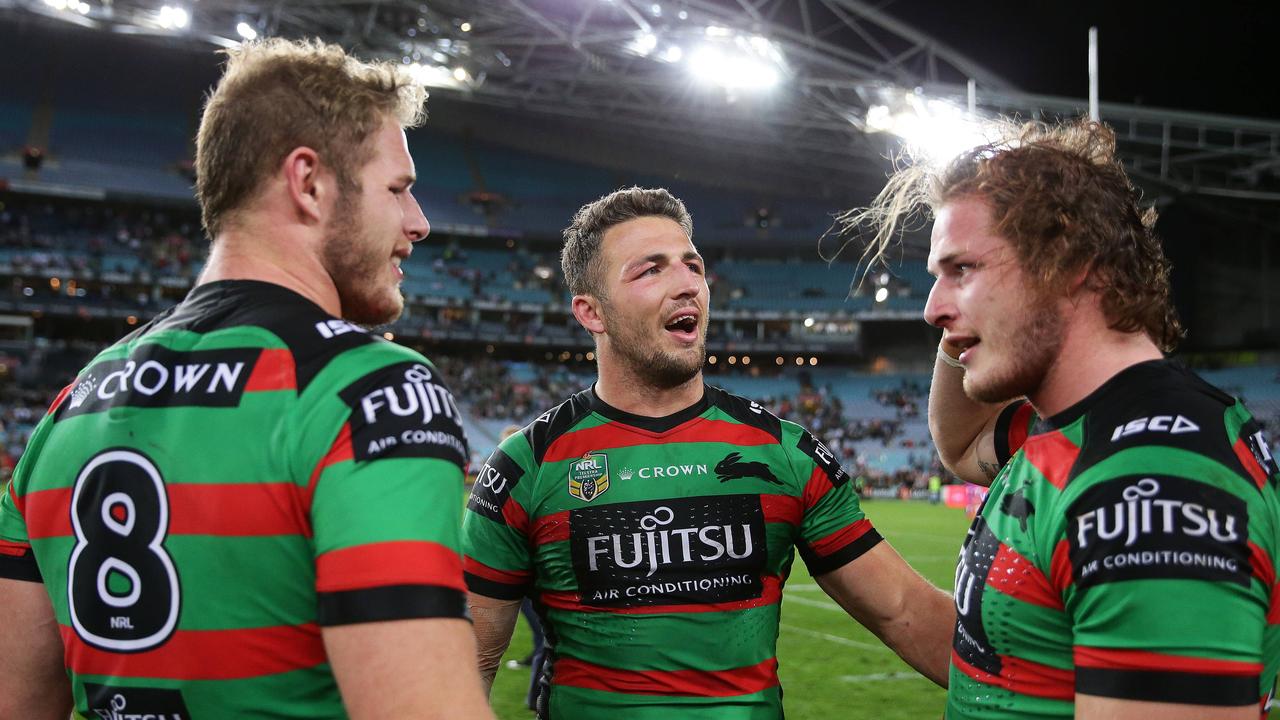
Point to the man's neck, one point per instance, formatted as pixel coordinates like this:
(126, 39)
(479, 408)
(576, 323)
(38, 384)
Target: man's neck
(626, 392)
(1089, 359)
(247, 255)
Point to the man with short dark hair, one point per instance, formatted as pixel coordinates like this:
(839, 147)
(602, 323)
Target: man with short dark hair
(248, 507)
(1124, 563)
(654, 518)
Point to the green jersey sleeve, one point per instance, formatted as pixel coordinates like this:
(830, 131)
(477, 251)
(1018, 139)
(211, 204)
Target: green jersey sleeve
(17, 561)
(497, 531)
(833, 529)
(385, 488)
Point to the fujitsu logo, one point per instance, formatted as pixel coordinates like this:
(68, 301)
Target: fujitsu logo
(416, 395)
(117, 712)
(657, 546)
(1142, 512)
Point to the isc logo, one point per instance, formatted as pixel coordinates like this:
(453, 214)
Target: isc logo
(1160, 423)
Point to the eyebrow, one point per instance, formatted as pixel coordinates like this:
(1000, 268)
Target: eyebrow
(658, 258)
(945, 260)
(406, 179)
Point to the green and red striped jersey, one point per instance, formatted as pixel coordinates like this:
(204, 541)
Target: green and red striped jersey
(657, 549)
(1127, 550)
(219, 485)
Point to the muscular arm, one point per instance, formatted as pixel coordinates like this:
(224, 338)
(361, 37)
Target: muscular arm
(407, 669)
(33, 682)
(963, 430)
(914, 618)
(494, 622)
(1092, 707)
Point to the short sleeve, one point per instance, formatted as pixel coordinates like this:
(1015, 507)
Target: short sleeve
(496, 530)
(387, 495)
(833, 530)
(17, 562)
(1168, 596)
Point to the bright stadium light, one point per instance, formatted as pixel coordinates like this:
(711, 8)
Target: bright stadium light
(172, 16)
(673, 54)
(732, 70)
(465, 27)
(934, 129)
(246, 31)
(644, 44)
(882, 294)
(437, 76)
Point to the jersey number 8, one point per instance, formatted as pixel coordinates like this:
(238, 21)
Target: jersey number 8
(122, 586)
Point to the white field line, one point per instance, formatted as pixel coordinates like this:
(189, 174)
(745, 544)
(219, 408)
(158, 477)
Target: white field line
(879, 677)
(820, 604)
(833, 638)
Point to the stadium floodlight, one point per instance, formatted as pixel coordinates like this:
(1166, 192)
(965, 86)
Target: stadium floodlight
(465, 27)
(437, 76)
(175, 17)
(808, 322)
(656, 9)
(882, 294)
(460, 74)
(933, 130)
(246, 31)
(732, 70)
(643, 44)
(673, 54)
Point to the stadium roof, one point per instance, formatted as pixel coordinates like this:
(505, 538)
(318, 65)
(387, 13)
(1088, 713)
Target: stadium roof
(799, 82)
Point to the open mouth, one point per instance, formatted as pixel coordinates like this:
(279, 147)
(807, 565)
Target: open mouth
(684, 326)
(966, 345)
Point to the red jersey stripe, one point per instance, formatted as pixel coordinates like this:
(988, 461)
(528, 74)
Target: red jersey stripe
(680, 683)
(1143, 660)
(840, 538)
(551, 528)
(819, 484)
(245, 509)
(340, 451)
(399, 562)
(781, 509)
(506, 577)
(205, 654)
(1015, 576)
(1273, 612)
(1053, 455)
(1060, 574)
(13, 549)
(515, 517)
(1025, 677)
(274, 370)
(771, 594)
(615, 435)
(1018, 427)
(1250, 463)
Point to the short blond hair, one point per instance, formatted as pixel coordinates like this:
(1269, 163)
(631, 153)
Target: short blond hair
(277, 95)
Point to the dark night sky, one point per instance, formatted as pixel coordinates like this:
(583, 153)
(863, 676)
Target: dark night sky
(1221, 57)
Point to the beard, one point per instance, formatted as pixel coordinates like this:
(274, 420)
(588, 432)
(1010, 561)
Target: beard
(1035, 342)
(349, 256)
(652, 366)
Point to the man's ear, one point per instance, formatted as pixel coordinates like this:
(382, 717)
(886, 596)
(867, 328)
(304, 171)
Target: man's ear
(308, 185)
(586, 310)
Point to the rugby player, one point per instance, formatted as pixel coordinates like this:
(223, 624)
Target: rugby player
(1124, 563)
(248, 507)
(654, 518)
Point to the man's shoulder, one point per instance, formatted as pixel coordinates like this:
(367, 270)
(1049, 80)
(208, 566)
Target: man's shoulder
(751, 413)
(552, 424)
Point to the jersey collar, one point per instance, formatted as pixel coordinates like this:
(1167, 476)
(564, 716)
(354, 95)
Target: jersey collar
(646, 423)
(1131, 378)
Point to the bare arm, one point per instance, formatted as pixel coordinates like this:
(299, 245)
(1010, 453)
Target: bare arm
(963, 430)
(33, 681)
(1092, 707)
(494, 622)
(416, 669)
(914, 618)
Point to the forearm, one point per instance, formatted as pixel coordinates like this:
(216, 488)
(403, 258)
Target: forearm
(922, 635)
(960, 426)
(493, 621)
(33, 682)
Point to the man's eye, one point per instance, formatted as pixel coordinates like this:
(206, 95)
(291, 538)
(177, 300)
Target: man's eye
(651, 271)
(696, 268)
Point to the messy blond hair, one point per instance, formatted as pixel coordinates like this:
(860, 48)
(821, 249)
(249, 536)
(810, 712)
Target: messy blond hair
(276, 95)
(1058, 194)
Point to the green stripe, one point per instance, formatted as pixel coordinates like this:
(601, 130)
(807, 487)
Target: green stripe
(968, 699)
(571, 703)
(669, 641)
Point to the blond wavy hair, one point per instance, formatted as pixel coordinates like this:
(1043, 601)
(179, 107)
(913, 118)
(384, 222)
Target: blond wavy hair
(1060, 196)
(277, 95)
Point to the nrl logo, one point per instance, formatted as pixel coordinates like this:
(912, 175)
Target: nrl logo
(83, 391)
(589, 476)
(626, 474)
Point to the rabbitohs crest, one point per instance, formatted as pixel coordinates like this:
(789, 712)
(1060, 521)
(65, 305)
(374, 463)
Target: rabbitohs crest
(589, 476)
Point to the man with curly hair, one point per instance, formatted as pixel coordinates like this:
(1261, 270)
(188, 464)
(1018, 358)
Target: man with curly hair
(1124, 562)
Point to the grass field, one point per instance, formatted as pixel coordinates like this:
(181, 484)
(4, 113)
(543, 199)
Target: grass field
(830, 666)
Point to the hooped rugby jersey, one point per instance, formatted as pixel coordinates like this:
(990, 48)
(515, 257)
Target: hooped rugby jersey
(657, 549)
(1127, 550)
(219, 485)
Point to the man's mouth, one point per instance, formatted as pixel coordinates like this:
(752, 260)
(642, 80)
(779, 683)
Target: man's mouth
(684, 325)
(965, 344)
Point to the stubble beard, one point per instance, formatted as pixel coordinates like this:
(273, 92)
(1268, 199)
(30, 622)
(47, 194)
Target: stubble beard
(650, 365)
(355, 270)
(1037, 343)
